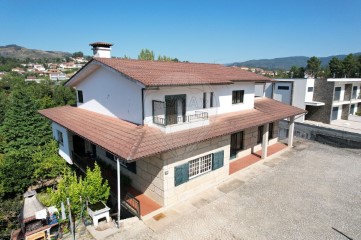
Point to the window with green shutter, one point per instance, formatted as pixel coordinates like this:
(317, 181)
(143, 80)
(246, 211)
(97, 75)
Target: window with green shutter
(218, 160)
(181, 174)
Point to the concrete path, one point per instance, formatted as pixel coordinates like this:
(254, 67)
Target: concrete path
(312, 191)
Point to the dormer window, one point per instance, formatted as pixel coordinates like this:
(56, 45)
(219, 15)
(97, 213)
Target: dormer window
(237, 96)
(80, 96)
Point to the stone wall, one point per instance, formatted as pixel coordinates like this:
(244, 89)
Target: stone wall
(333, 137)
(174, 194)
(323, 92)
(345, 111)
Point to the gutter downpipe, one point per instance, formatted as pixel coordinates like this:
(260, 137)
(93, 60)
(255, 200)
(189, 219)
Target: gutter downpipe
(118, 186)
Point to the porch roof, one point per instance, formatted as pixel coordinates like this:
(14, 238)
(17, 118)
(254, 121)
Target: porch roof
(132, 142)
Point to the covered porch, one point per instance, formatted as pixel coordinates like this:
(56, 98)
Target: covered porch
(85, 154)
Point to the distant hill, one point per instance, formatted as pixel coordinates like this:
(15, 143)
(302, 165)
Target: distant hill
(284, 63)
(18, 52)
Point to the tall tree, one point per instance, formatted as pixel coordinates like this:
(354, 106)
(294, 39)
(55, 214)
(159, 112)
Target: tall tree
(146, 54)
(3, 103)
(23, 128)
(336, 67)
(350, 66)
(313, 66)
(296, 72)
(78, 54)
(16, 173)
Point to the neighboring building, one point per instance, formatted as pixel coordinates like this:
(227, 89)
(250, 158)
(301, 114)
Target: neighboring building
(56, 75)
(33, 79)
(68, 65)
(297, 92)
(172, 128)
(37, 222)
(324, 99)
(341, 97)
(39, 67)
(18, 70)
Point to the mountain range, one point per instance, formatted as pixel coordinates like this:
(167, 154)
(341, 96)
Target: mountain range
(285, 63)
(18, 52)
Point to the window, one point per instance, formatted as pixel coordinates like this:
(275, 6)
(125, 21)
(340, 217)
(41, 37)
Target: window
(283, 88)
(354, 92)
(60, 137)
(337, 95)
(80, 96)
(211, 99)
(204, 100)
(310, 89)
(237, 96)
(270, 133)
(109, 155)
(236, 143)
(200, 165)
(260, 134)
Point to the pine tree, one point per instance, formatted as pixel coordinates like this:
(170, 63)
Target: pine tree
(23, 128)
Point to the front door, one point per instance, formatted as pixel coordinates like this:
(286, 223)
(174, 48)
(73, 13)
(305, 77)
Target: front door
(79, 145)
(334, 113)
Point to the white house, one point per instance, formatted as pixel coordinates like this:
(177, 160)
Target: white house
(172, 128)
(298, 92)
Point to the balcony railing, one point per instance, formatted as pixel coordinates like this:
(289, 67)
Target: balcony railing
(170, 120)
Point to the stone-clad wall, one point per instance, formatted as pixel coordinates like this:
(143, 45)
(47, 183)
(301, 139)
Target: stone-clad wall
(323, 92)
(174, 194)
(345, 111)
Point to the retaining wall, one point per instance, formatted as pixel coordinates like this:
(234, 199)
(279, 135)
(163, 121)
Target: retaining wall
(329, 136)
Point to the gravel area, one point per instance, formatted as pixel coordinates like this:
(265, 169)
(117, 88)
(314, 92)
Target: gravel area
(310, 192)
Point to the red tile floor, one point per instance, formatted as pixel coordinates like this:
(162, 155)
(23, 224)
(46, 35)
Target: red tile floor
(244, 162)
(147, 205)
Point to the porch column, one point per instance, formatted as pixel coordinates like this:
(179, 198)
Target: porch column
(265, 140)
(118, 189)
(291, 129)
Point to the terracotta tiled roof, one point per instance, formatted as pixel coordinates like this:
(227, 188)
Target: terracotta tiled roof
(132, 142)
(159, 73)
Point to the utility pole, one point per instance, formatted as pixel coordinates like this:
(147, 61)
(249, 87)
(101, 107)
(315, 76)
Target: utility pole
(70, 220)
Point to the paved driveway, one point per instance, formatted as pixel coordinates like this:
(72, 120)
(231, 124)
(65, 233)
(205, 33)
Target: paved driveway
(310, 192)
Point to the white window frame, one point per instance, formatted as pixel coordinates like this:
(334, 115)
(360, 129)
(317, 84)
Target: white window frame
(60, 137)
(200, 165)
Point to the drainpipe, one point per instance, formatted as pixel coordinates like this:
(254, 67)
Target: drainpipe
(118, 185)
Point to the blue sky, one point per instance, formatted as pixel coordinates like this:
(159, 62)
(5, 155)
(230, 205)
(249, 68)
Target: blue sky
(197, 31)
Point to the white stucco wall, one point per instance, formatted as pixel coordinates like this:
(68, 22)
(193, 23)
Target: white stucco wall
(64, 149)
(111, 94)
(342, 94)
(194, 98)
(310, 82)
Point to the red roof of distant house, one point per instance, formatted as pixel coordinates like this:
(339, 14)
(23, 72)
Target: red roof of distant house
(132, 142)
(159, 73)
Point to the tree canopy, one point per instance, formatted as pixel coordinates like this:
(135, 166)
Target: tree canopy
(146, 54)
(313, 66)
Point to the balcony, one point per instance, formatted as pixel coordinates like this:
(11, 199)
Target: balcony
(171, 119)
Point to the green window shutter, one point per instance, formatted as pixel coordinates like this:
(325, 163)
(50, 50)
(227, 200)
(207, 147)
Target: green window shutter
(218, 160)
(181, 174)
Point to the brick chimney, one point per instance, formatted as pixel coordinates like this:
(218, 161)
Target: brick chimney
(101, 49)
